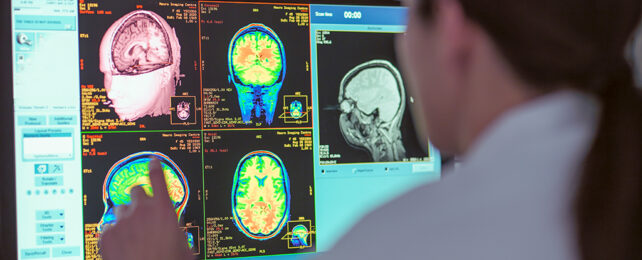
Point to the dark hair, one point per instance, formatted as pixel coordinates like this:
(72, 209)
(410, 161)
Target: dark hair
(582, 43)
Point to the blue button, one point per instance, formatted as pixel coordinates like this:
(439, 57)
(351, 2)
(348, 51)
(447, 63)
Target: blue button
(34, 253)
(50, 240)
(32, 120)
(66, 251)
(63, 120)
(50, 227)
(50, 214)
(48, 181)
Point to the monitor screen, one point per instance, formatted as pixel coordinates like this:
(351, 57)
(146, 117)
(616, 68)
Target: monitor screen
(278, 125)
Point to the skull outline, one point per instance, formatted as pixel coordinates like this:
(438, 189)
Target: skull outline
(140, 90)
(261, 99)
(144, 157)
(375, 131)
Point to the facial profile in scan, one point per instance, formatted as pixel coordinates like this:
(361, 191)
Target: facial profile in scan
(140, 59)
(372, 100)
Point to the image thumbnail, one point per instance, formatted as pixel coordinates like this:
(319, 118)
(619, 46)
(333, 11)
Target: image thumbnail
(111, 170)
(134, 61)
(256, 192)
(363, 102)
(254, 56)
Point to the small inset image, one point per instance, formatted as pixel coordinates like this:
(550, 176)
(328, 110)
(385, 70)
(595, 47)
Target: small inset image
(299, 234)
(295, 109)
(183, 110)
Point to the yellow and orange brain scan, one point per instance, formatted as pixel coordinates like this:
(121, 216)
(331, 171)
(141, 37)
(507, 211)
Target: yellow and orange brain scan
(261, 195)
(132, 171)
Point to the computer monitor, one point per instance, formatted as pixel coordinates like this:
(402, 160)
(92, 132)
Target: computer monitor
(278, 125)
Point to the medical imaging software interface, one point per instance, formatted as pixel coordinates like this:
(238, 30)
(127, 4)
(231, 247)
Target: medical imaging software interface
(278, 125)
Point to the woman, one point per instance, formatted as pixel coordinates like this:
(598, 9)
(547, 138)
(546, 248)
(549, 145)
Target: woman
(538, 99)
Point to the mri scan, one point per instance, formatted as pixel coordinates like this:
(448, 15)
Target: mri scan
(140, 58)
(372, 103)
(256, 61)
(133, 171)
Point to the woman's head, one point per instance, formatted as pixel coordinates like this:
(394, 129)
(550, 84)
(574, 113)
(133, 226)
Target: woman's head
(470, 60)
(461, 54)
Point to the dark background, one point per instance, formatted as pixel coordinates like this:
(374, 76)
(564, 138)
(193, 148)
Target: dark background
(296, 42)
(354, 48)
(219, 180)
(96, 26)
(112, 143)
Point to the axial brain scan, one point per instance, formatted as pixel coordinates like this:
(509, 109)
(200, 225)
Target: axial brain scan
(261, 195)
(140, 58)
(133, 171)
(372, 103)
(256, 60)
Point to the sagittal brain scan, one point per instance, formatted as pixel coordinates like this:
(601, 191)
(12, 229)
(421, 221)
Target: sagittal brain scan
(261, 195)
(114, 163)
(257, 66)
(371, 100)
(363, 101)
(140, 57)
(300, 236)
(133, 171)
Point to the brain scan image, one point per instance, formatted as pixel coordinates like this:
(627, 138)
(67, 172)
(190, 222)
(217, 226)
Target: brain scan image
(261, 195)
(182, 110)
(256, 62)
(372, 103)
(300, 236)
(140, 59)
(296, 109)
(133, 171)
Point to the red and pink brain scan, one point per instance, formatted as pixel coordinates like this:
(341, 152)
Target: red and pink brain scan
(140, 59)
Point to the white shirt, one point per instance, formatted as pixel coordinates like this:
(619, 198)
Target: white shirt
(512, 197)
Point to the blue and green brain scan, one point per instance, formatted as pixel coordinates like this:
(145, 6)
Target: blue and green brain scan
(256, 62)
(261, 195)
(132, 171)
(300, 236)
(296, 109)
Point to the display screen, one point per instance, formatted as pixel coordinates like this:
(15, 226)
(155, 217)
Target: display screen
(278, 125)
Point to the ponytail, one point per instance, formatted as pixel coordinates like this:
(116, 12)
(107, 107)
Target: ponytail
(581, 42)
(609, 198)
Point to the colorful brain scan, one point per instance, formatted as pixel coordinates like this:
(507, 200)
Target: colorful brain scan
(256, 62)
(300, 236)
(296, 109)
(133, 171)
(140, 59)
(260, 195)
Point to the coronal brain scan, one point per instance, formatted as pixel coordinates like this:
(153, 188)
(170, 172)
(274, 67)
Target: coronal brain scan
(261, 195)
(372, 103)
(140, 58)
(133, 171)
(256, 61)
